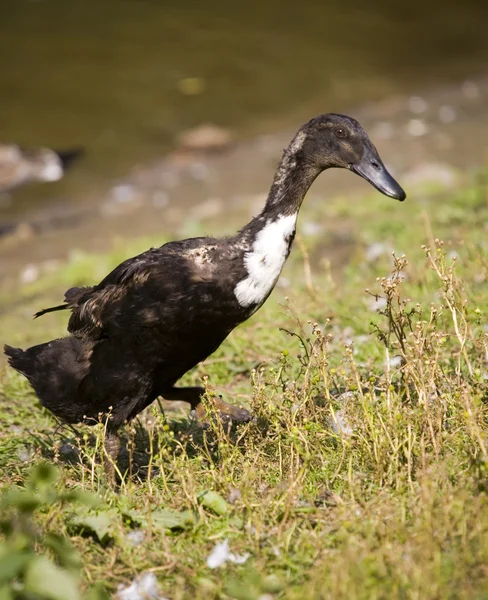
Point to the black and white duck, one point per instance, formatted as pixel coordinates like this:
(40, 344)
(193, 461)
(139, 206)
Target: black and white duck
(19, 166)
(159, 314)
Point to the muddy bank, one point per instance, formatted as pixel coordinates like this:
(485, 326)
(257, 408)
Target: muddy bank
(425, 136)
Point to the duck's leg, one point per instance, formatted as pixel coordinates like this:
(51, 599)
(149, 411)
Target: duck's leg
(112, 448)
(193, 395)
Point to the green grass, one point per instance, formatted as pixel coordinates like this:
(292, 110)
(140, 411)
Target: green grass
(393, 507)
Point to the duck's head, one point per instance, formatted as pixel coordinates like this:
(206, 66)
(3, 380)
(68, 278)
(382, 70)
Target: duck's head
(334, 140)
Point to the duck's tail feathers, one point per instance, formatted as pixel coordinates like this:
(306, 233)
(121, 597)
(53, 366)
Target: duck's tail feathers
(51, 309)
(71, 297)
(16, 358)
(55, 371)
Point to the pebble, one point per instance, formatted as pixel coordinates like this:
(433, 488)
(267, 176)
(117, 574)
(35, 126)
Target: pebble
(417, 128)
(447, 114)
(206, 137)
(471, 90)
(417, 105)
(29, 274)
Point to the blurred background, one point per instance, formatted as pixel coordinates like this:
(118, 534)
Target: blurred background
(183, 107)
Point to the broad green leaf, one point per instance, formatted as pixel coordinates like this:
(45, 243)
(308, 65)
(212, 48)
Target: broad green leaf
(236, 522)
(162, 518)
(43, 474)
(65, 553)
(11, 564)
(166, 518)
(304, 510)
(82, 497)
(242, 591)
(24, 500)
(214, 501)
(99, 523)
(133, 516)
(97, 592)
(49, 581)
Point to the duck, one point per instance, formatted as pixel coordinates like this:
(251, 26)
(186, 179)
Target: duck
(157, 315)
(19, 166)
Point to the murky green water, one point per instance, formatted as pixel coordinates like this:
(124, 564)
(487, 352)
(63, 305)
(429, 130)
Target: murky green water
(107, 73)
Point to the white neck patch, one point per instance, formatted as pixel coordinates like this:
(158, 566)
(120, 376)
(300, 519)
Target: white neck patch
(265, 261)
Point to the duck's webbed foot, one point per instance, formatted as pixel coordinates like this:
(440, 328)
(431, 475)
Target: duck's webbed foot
(229, 413)
(112, 448)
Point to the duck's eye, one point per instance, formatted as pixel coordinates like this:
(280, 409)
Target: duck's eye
(341, 133)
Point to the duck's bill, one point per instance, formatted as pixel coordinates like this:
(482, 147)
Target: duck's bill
(374, 171)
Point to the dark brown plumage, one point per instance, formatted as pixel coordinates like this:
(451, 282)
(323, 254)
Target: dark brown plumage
(159, 314)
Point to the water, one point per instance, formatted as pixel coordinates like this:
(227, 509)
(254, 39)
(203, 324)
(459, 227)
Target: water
(111, 75)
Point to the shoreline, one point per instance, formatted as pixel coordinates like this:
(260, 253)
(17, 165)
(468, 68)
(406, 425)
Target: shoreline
(426, 136)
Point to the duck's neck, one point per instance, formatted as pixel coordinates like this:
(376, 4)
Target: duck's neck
(267, 239)
(292, 180)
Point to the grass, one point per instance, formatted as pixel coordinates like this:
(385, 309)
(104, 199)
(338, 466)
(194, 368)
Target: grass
(364, 473)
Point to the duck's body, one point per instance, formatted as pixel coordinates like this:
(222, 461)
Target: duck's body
(140, 317)
(159, 314)
(19, 166)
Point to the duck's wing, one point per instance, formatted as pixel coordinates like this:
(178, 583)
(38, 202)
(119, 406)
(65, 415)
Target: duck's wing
(95, 310)
(71, 297)
(89, 304)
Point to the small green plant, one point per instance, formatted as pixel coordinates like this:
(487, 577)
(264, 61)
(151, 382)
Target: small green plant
(34, 564)
(364, 473)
